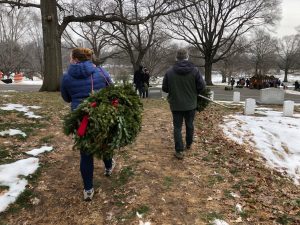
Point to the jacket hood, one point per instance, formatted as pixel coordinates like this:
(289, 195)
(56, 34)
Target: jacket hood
(183, 67)
(81, 70)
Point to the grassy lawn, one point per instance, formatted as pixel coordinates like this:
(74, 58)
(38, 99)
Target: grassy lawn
(215, 175)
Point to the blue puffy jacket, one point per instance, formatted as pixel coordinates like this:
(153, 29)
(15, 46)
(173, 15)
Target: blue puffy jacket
(76, 83)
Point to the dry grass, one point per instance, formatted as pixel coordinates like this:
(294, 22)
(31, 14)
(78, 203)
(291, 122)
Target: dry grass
(147, 179)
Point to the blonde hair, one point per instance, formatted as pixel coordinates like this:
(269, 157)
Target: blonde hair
(88, 52)
(82, 54)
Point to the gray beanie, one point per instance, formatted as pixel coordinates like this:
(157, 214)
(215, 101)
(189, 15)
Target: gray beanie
(182, 54)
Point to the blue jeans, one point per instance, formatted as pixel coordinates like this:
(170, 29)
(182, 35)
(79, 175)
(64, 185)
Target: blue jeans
(178, 117)
(87, 169)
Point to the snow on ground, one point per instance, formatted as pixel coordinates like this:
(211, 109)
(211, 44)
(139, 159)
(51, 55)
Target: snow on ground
(275, 137)
(219, 222)
(12, 132)
(21, 108)
(10, 176)
(292, 92)
(31, 82)
(37, 151)
(8, 91)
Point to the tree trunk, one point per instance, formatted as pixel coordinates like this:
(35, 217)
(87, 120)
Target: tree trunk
(224, 78)
(52, 47)
(136, 65)
(208, 68)
(285, 75)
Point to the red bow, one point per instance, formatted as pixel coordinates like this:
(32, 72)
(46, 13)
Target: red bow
(83, 125)
(93, 104)
(84, 122)
(115, 102)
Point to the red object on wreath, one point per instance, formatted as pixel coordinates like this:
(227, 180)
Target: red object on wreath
(115, 102)
(93, 104)
(83, 125)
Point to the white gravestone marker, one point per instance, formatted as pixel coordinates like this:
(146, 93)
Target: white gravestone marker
(288, 108)
(249, 106)
(236, 96)
(271, 96)
(212, 95)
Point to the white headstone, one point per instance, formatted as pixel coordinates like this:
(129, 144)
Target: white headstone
(288, 108)
(212, 95)
(271, 96)
(249, 106)
(236, 96)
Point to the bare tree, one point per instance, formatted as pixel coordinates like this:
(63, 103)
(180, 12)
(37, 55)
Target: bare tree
(262, 52)
(160, 57)
(53, 28)
(213, 26)
(13, 27)
(136, 40)
(93, 34)
(235, 63)
(288, 50)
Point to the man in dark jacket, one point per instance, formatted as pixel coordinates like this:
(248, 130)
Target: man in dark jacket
(138, 80)
(183, 82)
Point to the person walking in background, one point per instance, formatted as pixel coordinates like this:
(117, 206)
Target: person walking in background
(146, 79)
(138, 80)
(183, 82)
(297, 86)
(232, 82)
(247, 83)
(81, 78)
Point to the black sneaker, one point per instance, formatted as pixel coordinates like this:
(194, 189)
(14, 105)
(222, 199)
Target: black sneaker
(178, 155)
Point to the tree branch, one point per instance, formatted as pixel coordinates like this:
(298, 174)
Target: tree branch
(20, 4)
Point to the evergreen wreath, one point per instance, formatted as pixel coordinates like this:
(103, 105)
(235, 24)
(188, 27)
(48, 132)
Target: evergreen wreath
(107, 120)
(202, 103)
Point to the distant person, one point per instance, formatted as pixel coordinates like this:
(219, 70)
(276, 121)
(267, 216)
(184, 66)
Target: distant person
(138, 80)
(232, 82)
(146, 84)
(247, 82)
(183, 82)
(296, 85)
(81, 78)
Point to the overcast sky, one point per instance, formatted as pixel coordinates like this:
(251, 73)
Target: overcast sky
(290, 17)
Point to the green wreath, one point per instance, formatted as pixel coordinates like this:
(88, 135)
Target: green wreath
(202, 103)
(107, 120)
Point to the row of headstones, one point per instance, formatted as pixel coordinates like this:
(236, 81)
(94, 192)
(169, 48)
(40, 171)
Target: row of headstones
(288, 107)
(266, 97)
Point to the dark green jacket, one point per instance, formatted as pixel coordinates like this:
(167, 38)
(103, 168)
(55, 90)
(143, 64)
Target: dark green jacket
(183, 82)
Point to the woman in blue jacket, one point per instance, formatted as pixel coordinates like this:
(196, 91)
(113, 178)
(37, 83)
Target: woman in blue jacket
(81, 78)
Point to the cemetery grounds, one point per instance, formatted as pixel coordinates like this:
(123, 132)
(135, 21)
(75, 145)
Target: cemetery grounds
(218, 178)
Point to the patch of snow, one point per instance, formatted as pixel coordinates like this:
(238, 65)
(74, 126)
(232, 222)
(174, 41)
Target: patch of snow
(37, 151)
(10, 176)
(21, 108)
(234, 195)
(292, 92)
(139, 215)
(8, 91)
(219, 222)
(275, 137)
(144, 223)
(239, 208)
(12, 132)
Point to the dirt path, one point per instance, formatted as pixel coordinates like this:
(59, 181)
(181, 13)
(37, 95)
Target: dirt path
(149, 180)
